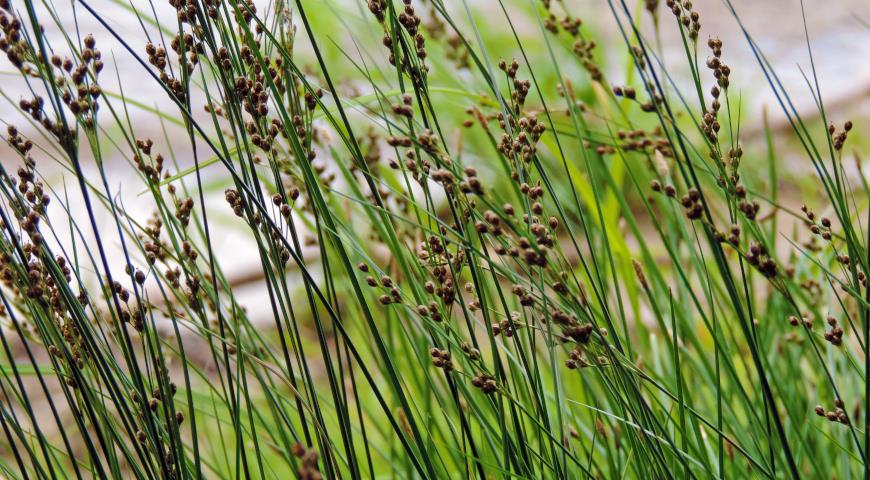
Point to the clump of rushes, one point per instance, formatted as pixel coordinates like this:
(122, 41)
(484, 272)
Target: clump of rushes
(437, 255)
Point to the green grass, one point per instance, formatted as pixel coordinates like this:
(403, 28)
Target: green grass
(480, 252)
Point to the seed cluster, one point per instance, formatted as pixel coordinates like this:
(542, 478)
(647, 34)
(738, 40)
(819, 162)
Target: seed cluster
(835, 335)
(411, 48)
(150, 166)
(759, 258)
(485, 382)
(441, 359)
(308, 468)
(837, 415)
(692, 203)
(688, 18)
(524, 144)
(13, 42)
(839, 138)
(582, 48)
(721, 72)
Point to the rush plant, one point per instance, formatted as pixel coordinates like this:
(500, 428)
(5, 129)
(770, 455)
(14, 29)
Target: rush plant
(484, 242)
